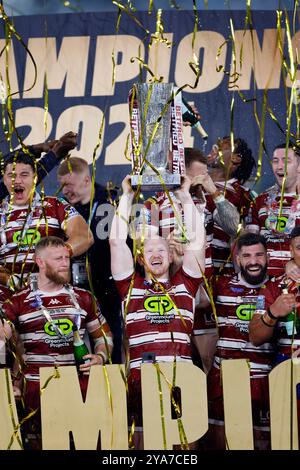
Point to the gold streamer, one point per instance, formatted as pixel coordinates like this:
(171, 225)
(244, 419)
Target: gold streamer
(12, 417)
(158, 36)
(131, 434)
(55, 375)
(46, 104)
(8, 129)
(110, 399)
(11, 31)
(181, 431)
(67, 3)
(162, 415)
(126, 10)
(291, 73)
(150, 6)
(195, 30)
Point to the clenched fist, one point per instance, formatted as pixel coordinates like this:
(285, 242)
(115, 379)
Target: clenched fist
(66, 143)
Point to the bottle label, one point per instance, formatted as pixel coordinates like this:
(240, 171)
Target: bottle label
(292, 324)
(290, 328)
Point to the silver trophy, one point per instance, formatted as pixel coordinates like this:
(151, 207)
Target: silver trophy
(151, 120)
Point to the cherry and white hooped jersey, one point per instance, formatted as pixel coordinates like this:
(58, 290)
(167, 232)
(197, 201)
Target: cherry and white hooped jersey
(235, 302)
(287, 330)
(43, 346)
(48, 217)
(5, 294)
(159, 321)
(264, 214)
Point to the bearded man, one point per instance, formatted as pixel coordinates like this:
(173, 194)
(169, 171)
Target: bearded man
(235, 300)
(44, 314)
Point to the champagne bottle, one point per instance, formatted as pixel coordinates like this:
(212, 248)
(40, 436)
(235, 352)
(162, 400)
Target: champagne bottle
(292, 319)
(290, 323)
(80, 349)
(188, 115)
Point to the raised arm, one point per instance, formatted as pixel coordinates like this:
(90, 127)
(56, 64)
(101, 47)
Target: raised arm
(80, 238)
(194, 254)
(227, 215)
(56, 151)
(121, 257)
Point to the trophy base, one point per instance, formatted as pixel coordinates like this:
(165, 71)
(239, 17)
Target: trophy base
(153, 183)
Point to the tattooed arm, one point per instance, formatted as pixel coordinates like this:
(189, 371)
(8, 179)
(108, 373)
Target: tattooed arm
(226, 214)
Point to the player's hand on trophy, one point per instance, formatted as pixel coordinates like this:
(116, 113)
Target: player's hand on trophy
(126, 185)
(184, 191)
(176, 245)
(205, 181)
(64, 144)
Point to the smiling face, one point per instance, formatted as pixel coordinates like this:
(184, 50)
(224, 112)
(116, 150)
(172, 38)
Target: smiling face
(292, 168)
(19, 181)
(157, 258)
(252, 261)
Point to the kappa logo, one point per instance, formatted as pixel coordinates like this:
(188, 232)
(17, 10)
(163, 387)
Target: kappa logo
(158, 304)
(64, 324)
(54, 302)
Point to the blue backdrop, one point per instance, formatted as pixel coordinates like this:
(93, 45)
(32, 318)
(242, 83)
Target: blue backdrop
(77, 102)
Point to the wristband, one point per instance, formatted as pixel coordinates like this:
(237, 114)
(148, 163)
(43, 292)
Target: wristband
(103, 355)
(265, 323)
(270, 314)
(69, 248)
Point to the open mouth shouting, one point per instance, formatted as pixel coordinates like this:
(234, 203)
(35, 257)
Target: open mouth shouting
(280, 174)
(19, 193)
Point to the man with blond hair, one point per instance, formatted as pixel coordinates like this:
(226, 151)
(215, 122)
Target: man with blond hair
(158, 308)
(44, 314)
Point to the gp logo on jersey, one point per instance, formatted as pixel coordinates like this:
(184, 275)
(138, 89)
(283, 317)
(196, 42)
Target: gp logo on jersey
(245, 311)
(158, 304)
(279, 224)
(64, 324)
(31, 237)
